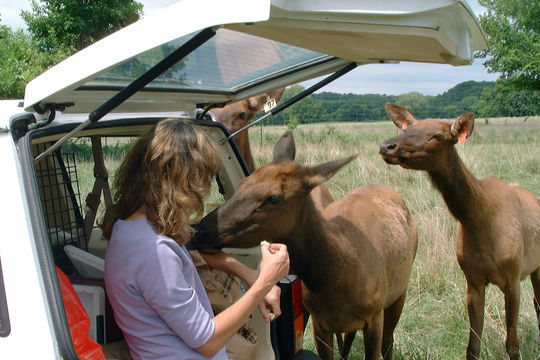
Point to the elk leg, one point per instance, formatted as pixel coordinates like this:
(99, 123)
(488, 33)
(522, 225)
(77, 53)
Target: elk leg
(346, 345)
(324, 341)
(535, 280)
(391, 318)
(511, 305)
(475, 306)
(306, 316)
(373, 332)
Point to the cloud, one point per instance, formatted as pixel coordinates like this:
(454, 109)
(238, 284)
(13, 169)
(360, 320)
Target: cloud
(396, 79)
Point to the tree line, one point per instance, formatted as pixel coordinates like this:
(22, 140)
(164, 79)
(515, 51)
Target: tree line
(483, 98)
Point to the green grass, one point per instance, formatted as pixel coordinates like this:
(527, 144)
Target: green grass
(434, 323)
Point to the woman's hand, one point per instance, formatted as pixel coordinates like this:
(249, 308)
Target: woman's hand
(270, 307)
(274, 263)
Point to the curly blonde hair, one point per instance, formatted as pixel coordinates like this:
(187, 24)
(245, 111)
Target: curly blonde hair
(169, 170)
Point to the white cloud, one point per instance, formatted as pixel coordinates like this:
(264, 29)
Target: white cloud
(396, 79)
(11, 11)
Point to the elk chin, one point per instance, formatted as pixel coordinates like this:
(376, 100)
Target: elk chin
(392, 160)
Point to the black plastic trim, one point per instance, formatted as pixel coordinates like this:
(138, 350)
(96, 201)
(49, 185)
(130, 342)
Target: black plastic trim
(18, 124)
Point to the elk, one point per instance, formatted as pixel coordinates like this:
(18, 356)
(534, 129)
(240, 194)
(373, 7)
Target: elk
(354, 258)
(237, 115)
(498, 238)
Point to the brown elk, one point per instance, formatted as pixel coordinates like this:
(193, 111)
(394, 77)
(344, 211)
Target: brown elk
(354, 258)
(237, 115)
(498, 238)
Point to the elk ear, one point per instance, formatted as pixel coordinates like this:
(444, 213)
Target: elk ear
(316, 175)
(401, 117)
(463, 127)
(256, 103)
(276, 94)
(285, 149)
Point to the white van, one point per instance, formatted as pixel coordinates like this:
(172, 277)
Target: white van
(195, 54)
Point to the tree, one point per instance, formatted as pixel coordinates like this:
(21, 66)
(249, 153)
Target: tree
(20, 62)
(415, 102)
(75, 24)
(512, 28)
(504, 101)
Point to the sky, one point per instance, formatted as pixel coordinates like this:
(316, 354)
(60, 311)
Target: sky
(389, 79)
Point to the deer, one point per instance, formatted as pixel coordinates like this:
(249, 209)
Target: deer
(498, 237)
(354, 258)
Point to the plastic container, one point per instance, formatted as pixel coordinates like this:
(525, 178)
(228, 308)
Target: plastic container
(93, 300)
(87, 265)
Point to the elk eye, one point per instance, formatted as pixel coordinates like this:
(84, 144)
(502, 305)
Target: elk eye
(273, 199)
(242, 115)
(437, 137)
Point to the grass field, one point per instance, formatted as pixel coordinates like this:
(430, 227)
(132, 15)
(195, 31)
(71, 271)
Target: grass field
(434, 323)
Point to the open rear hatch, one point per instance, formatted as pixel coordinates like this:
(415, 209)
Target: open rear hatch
(259, 45)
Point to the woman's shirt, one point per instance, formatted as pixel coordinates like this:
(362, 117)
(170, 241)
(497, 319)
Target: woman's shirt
(157, 296)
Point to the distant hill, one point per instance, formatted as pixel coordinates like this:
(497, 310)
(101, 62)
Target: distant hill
(330, 107)
(458, 99)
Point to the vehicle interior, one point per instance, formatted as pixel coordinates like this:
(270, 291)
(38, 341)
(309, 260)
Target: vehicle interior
(73, 183)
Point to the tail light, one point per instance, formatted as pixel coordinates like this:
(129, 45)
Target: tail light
(288, 329)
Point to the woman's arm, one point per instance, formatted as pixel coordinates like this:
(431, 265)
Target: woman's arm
(226, 263)
(274, 266)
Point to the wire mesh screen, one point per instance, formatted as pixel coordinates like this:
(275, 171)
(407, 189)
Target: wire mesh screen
(60, 195)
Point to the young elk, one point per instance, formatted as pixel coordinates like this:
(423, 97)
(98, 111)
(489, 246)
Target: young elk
(498, 238)
(354, 258)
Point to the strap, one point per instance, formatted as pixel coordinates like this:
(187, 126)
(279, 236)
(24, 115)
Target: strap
(101, 184)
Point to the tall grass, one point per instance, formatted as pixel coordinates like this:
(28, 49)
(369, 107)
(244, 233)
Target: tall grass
(434, 323)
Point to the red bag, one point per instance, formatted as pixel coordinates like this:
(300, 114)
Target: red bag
(78, 321)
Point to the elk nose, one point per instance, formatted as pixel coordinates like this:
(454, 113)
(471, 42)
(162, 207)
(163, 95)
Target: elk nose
(387, 147)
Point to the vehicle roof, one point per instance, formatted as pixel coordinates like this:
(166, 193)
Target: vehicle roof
(260, 45)
(8, 108)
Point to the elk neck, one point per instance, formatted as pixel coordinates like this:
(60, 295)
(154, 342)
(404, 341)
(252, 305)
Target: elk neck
(462, 192)
(313, 256)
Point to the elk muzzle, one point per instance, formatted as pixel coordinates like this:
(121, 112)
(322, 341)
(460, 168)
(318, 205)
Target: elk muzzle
(206, 237)
(389, 151)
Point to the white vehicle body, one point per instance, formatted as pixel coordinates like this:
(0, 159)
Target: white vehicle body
(328, 35)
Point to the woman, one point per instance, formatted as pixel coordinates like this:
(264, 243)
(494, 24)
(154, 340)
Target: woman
(154, 289)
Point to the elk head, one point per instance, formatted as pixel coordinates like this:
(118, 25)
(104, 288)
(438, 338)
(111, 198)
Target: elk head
(267, 204)
(424, 144)
(237, 115)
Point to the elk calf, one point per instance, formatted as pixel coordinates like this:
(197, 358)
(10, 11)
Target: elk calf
(354, 258)
(498, 239)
